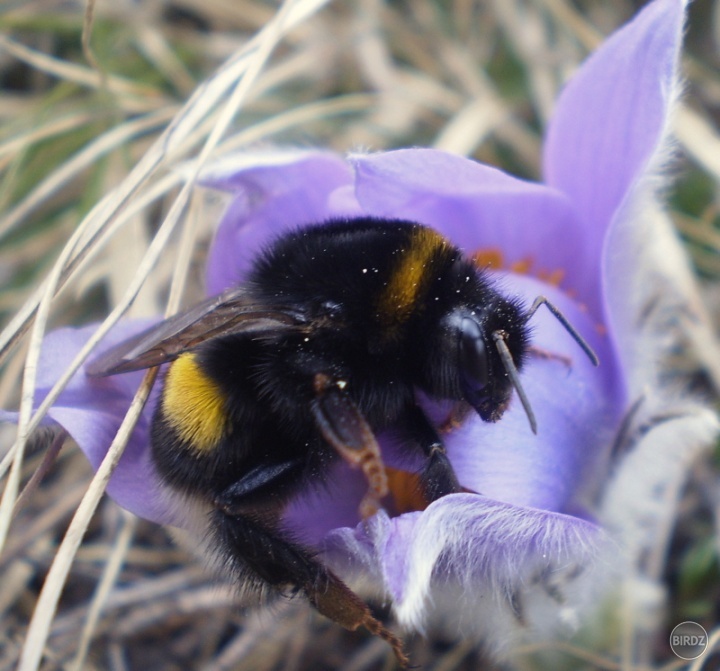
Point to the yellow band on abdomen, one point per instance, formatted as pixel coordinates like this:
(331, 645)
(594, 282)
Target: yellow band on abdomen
(194, 405)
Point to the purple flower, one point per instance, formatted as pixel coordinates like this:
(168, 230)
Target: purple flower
(590, 238)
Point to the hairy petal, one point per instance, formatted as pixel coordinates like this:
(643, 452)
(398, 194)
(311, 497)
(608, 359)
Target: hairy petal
(640, 504)
(497, 555)
(653, 306)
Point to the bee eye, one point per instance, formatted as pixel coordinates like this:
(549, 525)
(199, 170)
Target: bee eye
(473, 355)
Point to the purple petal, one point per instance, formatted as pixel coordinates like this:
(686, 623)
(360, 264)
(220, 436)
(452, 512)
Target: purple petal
(91, 411)
(316, 512)
(492, 549)
(480, 208)
(612, 115)
(283, 191)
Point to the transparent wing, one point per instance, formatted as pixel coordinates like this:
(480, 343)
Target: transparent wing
(235, 311)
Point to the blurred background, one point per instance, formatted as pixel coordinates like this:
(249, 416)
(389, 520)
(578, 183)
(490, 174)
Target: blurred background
(88, 88)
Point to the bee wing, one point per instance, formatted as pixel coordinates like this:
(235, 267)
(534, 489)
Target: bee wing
(235, 311)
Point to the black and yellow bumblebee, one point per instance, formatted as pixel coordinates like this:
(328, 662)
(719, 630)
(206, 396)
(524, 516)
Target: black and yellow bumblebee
(336, 329)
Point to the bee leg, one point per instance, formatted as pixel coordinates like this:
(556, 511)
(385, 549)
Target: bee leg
(438, 476)
(265, 481)
(344, 427)
(256, 550)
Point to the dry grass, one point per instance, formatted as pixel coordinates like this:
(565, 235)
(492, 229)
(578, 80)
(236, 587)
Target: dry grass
(100, 105)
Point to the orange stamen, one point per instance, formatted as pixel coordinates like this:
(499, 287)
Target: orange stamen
(489, 259)
(522, 267)
(406, 491)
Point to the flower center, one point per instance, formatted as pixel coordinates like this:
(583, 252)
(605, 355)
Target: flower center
(493, 258)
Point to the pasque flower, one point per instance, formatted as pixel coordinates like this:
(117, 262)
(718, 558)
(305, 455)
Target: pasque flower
(523, 553)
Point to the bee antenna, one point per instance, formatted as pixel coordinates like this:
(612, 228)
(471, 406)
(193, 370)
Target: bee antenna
(541, 300)
(512, 372)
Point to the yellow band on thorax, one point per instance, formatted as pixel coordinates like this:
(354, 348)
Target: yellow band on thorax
(409, 281)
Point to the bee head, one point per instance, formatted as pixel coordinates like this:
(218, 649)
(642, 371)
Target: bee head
(484, 350)
(488, 347)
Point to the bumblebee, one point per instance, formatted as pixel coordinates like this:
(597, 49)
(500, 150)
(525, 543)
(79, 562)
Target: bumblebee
(326, 344)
